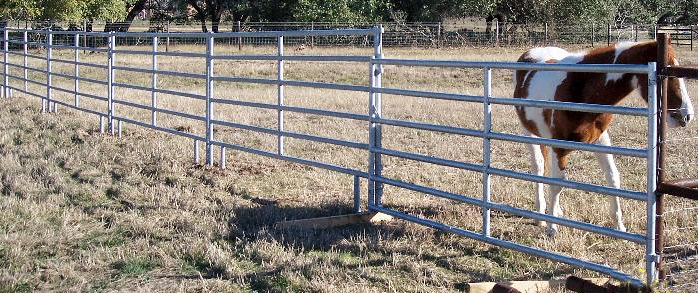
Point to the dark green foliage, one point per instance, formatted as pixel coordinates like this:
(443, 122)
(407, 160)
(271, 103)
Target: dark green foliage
(216, 11)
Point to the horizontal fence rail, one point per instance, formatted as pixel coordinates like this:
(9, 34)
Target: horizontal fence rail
(107, 105)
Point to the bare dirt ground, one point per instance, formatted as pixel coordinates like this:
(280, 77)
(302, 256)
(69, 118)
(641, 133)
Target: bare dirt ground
(90, 212)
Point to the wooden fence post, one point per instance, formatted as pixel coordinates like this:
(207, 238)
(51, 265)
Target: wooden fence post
(608, 34)
(635, 27)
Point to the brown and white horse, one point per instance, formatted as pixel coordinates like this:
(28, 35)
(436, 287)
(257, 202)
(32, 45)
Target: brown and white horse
(592, 88)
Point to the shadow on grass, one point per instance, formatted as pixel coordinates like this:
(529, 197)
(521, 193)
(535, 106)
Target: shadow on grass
(259, 221)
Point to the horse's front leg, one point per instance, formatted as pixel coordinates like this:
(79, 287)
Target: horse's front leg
(612, 178)
(538, 168)
(557, 160)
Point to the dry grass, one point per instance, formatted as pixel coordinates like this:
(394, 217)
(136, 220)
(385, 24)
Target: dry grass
(87, 212)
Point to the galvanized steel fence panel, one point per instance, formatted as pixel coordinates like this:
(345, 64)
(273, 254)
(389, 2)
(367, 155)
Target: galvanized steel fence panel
(71, 42)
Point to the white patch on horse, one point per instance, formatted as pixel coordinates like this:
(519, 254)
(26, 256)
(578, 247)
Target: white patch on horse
(619, 49)
(546, 53)
(686, 105)
(543, 85)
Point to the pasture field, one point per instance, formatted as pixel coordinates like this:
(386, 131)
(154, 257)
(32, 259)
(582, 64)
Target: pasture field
(88, 212)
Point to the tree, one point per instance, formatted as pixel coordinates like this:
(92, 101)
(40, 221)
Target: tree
(118, 14)
(19, 9)
(342, 10)
(215, 9)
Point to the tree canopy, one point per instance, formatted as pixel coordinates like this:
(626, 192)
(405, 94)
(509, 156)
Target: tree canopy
(215, 11)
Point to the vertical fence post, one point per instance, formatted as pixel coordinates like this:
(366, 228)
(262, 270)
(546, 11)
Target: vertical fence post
(357, 194)
(690, 28)
(209, 92)
(375, 165)
(280, 95)
(84, 37)
(608, 34)
(545, 33)
(635, 31)
(486, 150)
(5, 49)
(167, 39)
(154, 84)
(378, 51)
(655, 32)
(496, 32)
(593, 34)
(438, 36)
(239, 36)
(110, 82)
(196, 152)
(46, 104)
(371, 133)
(658, 142)
(651, 256)
(76, 69)
(25, 50)
(222, 163)
(312, 38)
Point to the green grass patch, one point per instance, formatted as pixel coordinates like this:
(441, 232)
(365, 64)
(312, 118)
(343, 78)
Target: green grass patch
(133, 266)
(15, 287)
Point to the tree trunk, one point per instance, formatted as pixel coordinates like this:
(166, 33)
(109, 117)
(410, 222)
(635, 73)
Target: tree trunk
(200, 12)
(123, 26)
(215, 20)
(214, 10)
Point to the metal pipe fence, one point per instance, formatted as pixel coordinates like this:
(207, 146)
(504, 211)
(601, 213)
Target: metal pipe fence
(467, 32)
(373, 117)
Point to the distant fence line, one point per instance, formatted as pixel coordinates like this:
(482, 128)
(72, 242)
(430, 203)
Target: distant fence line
(423, 34)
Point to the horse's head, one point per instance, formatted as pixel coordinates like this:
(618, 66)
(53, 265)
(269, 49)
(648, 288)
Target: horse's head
(679, 103)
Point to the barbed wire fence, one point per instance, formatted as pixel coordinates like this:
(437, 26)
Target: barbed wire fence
(471, 33)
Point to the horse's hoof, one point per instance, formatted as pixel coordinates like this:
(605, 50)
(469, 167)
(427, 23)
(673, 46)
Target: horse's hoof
(621, 228)
(551, 231)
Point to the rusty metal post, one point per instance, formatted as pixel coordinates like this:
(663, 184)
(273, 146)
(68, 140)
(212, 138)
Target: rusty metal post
(662, 63)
